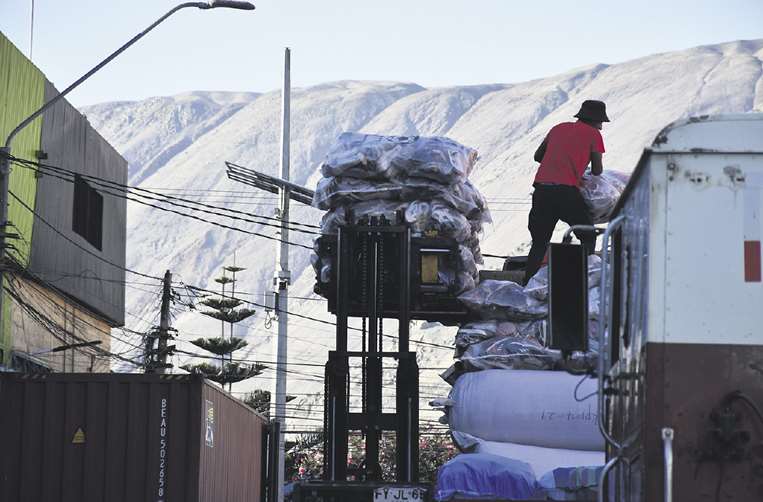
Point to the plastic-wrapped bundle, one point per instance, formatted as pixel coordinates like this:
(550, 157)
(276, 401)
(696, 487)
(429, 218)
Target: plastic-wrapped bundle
(449, 223)
(519, 345)
(462, 197)
(332, 220)
(480, 476)
(418, 214)
(360, 155)
(503, 300)
(425, 178)
(370, 156)
(436, 158)
(510, 352)
(335, 192)
(580, 483)
(602, 192)
(478, 331)
(464, 282)
(466, 259)
(537, 286)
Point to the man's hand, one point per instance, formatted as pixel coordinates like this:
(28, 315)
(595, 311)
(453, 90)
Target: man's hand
(540, 152)
(596, 166)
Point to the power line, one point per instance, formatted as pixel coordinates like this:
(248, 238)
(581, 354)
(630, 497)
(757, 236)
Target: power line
(53, 327)
(314, 319)
(198, 218)
(164, 197)
(76, 244)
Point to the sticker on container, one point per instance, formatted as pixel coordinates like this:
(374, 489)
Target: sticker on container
(79, 436)
(209, 435)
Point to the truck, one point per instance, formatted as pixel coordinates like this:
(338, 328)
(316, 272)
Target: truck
(680, 373)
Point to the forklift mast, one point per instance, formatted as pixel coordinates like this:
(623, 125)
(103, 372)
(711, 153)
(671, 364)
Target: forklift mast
(372, 262)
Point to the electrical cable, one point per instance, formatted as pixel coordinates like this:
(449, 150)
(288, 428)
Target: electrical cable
(127, 189)
(221, 225)
(315, 319)
(76, 244)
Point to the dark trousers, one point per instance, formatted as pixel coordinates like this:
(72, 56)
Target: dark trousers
(552, 203)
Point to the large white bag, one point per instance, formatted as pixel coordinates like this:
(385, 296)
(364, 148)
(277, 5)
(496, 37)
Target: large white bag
(526, 407)
(542, 460)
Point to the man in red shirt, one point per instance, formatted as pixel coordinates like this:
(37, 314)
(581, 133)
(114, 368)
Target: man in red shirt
(563, 155)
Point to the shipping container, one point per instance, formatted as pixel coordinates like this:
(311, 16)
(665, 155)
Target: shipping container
(126, 438)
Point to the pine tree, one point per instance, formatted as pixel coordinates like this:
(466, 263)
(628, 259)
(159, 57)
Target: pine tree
(226, 309)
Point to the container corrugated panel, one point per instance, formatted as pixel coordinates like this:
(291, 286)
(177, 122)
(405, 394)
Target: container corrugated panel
(126, 438)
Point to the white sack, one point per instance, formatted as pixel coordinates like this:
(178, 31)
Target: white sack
(542, 460)
(526, 407)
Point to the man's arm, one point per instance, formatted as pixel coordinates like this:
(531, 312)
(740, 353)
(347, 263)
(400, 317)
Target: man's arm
(596, 166)
(540, 152)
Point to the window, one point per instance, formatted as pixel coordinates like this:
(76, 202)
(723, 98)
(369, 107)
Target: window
(87, 215)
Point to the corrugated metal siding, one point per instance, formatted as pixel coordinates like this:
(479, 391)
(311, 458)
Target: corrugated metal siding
(21, 93)
(120, 458)
(121, 418)
(231, 469)
(72, 143)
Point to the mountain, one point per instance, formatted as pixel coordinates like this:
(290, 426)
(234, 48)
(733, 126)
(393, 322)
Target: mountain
(178, 144)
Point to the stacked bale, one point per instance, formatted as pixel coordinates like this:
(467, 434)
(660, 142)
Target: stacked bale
(424, 178)
(516, 399)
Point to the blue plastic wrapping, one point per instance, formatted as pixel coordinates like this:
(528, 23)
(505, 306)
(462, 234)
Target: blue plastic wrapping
(475, 476)
(571, 483)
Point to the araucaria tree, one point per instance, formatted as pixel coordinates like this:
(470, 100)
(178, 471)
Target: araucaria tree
(227, 309)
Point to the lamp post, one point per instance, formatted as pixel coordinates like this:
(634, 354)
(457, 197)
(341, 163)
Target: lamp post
(68, 346)
(5, 151)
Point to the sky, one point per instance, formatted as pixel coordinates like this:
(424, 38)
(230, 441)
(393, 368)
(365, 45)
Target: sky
(432, 43)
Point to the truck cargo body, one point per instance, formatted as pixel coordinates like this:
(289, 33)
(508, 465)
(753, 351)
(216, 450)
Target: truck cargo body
(685, 318)
(126, 438)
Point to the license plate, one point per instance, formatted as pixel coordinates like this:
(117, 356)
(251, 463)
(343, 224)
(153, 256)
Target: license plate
(399, 493)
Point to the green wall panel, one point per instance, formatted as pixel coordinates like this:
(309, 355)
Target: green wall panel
(22, 88)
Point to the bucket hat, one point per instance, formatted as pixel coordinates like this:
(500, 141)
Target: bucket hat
(593, 110)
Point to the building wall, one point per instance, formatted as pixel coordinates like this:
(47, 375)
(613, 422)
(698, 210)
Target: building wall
(72, 271)
(22, 89)
(74, 324)
(71, 143)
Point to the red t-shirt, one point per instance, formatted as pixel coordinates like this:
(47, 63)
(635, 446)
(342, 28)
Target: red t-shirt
(568, 152)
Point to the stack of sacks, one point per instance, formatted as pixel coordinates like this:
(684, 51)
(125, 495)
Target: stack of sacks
(501, 404)
(423, 178)
(511, 334)
(601, 193)
(536, 417)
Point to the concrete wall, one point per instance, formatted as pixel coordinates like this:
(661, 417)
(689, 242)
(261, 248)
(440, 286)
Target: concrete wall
(77, 324)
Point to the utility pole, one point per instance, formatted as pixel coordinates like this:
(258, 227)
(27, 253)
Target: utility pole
(282, 277)
(155, 359)
(164, 324)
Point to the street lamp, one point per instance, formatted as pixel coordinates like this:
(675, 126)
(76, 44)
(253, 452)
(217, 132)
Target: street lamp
(68, 346)
(5, 151)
